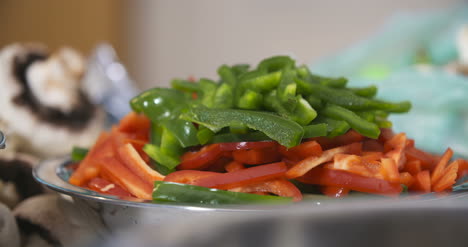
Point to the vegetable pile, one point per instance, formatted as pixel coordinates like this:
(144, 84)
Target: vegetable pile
(264, 135)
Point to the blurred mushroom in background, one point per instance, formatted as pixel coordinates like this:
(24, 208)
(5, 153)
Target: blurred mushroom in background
(44, 111)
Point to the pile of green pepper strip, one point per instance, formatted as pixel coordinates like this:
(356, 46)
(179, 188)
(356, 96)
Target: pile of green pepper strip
(277, 101)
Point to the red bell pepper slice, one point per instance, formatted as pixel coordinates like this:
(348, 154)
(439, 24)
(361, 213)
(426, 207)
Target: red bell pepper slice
(188, 176)
(302, 151)
(201, 159)
(257, 156)
(280, 187)
(243, 177)
(103, 186)
(113, 170)
(329, 177)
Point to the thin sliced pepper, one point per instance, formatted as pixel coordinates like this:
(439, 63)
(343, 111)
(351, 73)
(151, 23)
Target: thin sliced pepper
(224, 96)
(78, 154)
(329, 177)
(351, 101)
(367, 92)
(165, 163)
(286, 91)
(183, 193)
(250, 100)
(315, 130)
(276, 63)
(362, 126)
(286, 132)
(243, 177)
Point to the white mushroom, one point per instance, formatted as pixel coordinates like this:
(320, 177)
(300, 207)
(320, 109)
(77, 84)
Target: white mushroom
(41, 101)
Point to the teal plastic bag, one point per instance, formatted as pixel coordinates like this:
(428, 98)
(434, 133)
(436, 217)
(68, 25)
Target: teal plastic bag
(439, 117)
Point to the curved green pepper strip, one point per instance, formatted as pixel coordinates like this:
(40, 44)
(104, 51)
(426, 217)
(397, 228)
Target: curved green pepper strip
(303, 114)
(224, 96)
(164, 106)
(185, 193)
(367, 92)
(359, 124)
(286, 91)
(276, 63)
(240, 69)
(78, 154)
(250, 100)
(227, 75)
(165, 163)
(263, 83)
(334, 127)
(232, 137)
(185, 86)
(348, 99)
(287, 133)
(315, 130)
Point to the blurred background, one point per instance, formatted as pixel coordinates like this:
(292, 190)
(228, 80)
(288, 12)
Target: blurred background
(159, 40)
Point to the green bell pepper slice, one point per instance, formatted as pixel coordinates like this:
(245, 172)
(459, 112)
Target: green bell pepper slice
(359, 124)
(287, 133)
(78, 154)
(184, 193)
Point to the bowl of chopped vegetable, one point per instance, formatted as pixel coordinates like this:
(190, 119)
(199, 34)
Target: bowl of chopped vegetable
(272, 134)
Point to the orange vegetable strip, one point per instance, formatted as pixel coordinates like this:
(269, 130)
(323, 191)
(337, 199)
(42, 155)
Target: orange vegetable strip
(280, 187)
(390, 170)
(113, 170)
(234, 166)
(413, 167)
(372, 156)
(427, 160)
(134, 122)
(406, 178)
(309, 163)
(257, 156)
(338, 178)
(188, 176)
(133, 161)
(462, 168)
(395, 148)
(88, 167)
(438, 170)
(302, 151)
(422, 182)
(243, 177)
(448, 179)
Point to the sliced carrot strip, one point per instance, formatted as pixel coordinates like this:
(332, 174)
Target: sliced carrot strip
(234, 166)
(406, 178)
(448, 178)
(395, 148)
(257, 156)
(302, 151)
(422, 182)
(427, 160)
(390, 170)
(309, 163)
(134, 122)
(114, 171)
(133, 161)
(439, 169)
(413, 167)
(462, 168)
(88, 167)
(280, 187)
(243, 177)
